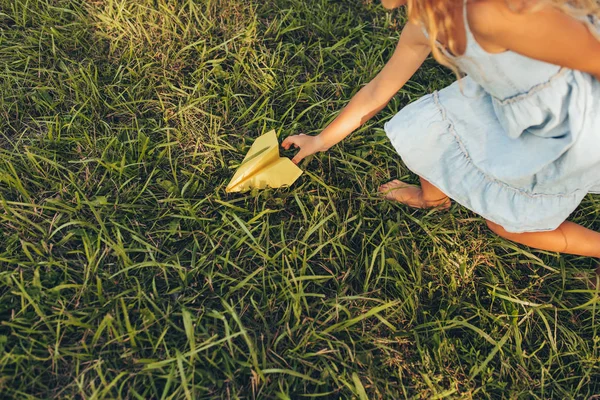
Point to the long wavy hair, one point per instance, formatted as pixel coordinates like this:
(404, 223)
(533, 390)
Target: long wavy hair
(438, 18)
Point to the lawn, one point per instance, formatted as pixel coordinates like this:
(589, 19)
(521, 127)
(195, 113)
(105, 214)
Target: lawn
(127, 271)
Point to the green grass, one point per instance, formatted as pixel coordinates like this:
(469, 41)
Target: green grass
(126, 271)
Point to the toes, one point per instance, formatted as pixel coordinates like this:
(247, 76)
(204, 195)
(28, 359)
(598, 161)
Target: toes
(391, 184)
(384, 187)
(389, 187)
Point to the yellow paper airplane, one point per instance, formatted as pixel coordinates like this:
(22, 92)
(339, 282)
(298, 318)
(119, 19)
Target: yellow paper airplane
(263, 167)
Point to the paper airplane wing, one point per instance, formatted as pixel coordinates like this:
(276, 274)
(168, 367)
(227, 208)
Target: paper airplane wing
(282, 172)
(263, 167)
(261, 145)
(263, 152)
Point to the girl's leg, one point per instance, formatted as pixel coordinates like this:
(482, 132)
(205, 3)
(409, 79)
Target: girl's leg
(569, 238)
(426, 196)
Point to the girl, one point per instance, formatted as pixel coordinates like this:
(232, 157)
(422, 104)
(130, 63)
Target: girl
(517, 140)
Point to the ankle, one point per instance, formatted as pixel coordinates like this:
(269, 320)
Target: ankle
(435, 202)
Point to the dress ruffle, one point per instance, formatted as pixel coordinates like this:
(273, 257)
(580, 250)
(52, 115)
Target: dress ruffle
(525, 181)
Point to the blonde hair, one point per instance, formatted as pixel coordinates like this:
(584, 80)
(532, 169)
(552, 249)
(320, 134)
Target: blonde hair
(437, 17)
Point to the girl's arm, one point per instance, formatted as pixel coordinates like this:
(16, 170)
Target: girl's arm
(413, 48)
(547, 34)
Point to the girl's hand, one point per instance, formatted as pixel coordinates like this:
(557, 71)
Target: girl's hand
(308, 145)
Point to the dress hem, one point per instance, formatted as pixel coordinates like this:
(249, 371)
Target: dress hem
(572, 199)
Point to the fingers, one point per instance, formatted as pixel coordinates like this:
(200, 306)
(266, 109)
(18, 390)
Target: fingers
(287, 142)
(299, 156)
(295, 140)
(298, 141)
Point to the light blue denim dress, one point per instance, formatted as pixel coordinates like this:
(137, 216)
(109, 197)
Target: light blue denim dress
(517, 140)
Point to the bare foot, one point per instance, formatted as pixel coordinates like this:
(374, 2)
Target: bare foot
(411, 195)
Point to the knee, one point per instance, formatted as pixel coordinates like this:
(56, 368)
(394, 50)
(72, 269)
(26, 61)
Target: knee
(497, 229)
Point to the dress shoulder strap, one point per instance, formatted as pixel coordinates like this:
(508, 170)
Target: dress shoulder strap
(469, 35)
